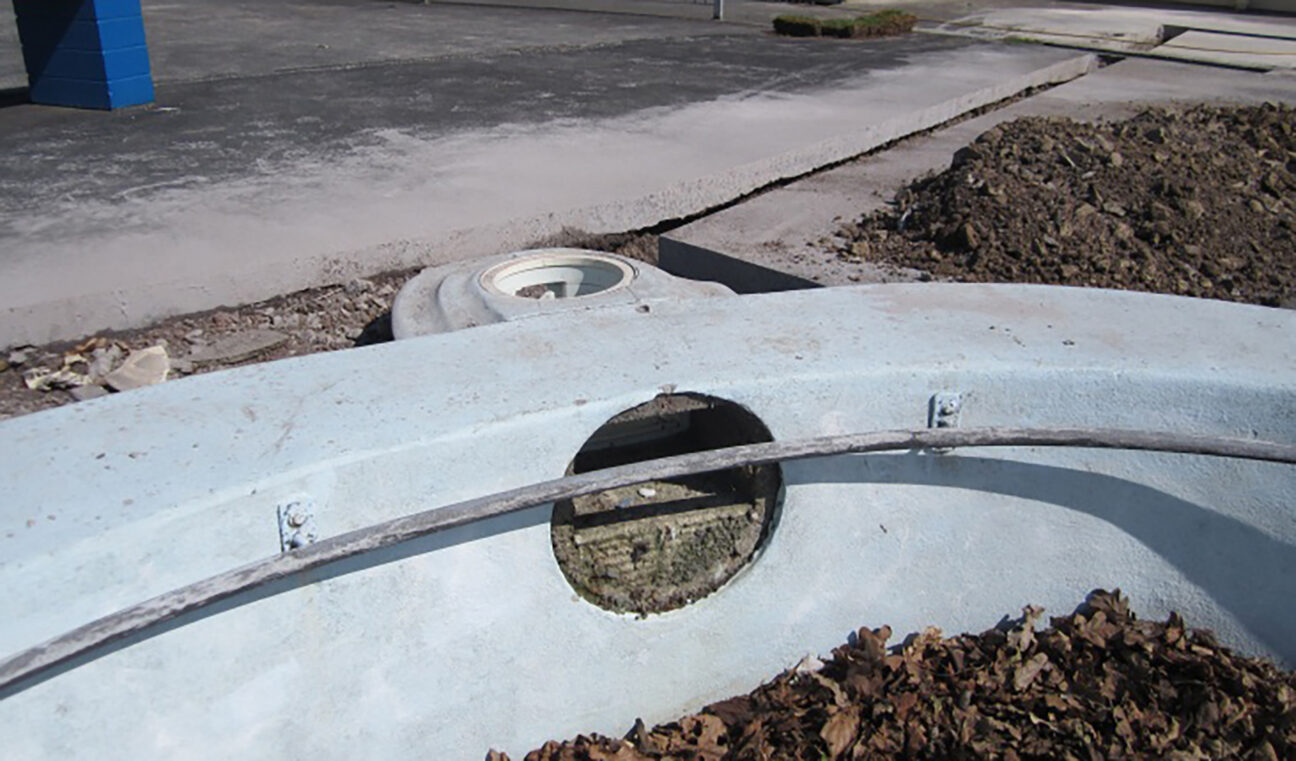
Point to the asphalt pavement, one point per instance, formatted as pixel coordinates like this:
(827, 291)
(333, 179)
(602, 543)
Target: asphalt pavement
(298, 143)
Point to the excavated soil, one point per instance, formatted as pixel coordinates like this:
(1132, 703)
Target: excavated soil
(1197, 202)
(1098, 684)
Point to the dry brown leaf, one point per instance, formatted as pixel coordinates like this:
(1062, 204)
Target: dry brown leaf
(619, 751)
(839, 695)
(1022, 637)
(872, 642)
(905, 704)
(1026, 673)
(840, 731)
(707, 733)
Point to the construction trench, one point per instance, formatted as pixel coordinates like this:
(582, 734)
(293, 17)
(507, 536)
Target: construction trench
(466, 539)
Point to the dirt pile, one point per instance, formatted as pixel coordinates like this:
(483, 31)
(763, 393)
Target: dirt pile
(1098, 684)
(1199, 202)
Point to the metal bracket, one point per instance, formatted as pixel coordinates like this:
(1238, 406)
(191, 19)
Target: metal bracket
(296, 523)
(944, 410)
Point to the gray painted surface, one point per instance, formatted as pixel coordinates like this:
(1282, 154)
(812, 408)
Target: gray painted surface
(473, 639)
(253, 188)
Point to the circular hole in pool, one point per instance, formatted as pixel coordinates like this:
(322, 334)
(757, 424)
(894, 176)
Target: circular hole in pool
(659, 546)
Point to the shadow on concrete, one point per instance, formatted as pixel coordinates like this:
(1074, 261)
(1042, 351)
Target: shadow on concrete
(14, 96)
(1244, 570)
(378, 331)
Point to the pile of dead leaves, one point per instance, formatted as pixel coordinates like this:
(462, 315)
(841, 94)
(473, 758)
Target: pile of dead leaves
(1098, 684)
(1200, 202)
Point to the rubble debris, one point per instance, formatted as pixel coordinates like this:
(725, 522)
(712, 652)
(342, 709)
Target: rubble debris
(104, 360)
(87, 392)
(145, 367)
(326, 318)
(237, 347)
(46, 379)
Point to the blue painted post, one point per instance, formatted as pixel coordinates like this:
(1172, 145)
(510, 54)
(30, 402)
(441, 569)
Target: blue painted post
(85, 53)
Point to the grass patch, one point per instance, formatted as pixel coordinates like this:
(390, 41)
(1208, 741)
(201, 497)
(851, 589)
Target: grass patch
(797, 26)
(883, 23)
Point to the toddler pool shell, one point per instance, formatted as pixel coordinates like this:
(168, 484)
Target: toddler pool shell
(472, 638)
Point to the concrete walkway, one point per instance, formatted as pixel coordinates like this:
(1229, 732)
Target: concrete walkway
(266, 168)
(1251, 41)
(772, 241)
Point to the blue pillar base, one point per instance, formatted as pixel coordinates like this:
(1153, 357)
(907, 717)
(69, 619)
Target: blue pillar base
(85, 53)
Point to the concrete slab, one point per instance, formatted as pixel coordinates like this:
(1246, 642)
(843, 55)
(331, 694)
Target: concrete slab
(773, 241)
(1127, 30)
(1243, 51)
(1103, 28)
(240, 189)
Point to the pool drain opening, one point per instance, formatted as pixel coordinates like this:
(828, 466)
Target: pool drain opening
(660, 545)
(558, 276)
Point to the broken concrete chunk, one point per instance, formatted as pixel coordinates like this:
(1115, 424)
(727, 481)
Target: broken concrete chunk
(144, 367)
(89, 391)
(358, 286)
(238, 347)
(104, 360)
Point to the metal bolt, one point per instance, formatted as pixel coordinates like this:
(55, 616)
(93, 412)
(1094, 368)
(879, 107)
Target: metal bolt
(296, 520)
(949, 406)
